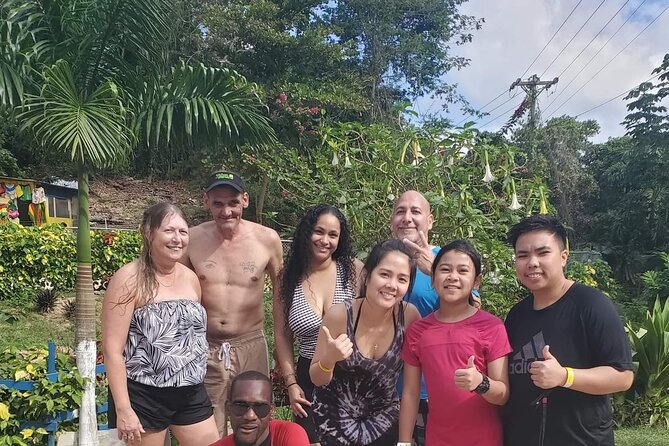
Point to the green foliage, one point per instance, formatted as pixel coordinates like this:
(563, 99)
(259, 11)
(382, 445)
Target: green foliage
(648, 400)
(363, 168)
(47, 399)
(596, 274)
(656, 282)
(29, 256)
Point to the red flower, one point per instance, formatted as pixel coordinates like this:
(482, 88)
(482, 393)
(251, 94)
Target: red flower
(285, 194)
(281, 98)
(314, 110)
(108, 238)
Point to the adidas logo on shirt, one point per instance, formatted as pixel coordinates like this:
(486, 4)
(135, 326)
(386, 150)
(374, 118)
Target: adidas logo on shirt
(532, 351)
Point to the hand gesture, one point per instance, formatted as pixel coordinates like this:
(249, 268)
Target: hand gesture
(468, 378)
(422, 253)
(297, 400)
(336, 349)
(548, 373)
(129, 427)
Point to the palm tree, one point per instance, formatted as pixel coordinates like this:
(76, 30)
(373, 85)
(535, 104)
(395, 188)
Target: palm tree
(92, 79)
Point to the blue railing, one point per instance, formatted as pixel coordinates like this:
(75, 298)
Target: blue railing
(50, 424)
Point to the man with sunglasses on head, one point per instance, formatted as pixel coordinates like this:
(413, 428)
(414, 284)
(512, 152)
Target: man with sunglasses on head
(250, 407)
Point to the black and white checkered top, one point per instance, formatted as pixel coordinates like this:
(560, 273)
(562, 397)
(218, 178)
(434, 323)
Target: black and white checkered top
(305, 323)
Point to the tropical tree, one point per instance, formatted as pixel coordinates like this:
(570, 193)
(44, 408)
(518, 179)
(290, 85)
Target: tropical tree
(95, 79)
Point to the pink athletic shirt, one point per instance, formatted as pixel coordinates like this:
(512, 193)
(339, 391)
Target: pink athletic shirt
(457, 417)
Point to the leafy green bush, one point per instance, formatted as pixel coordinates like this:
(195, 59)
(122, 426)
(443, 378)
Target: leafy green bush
(45, 400)
(647, 402)
(29, 256)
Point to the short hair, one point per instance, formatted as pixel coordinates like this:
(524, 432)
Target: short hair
(250, 375)
(538, 222)
(379, 252)
(464, 247)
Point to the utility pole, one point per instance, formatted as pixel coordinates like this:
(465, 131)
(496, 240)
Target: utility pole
(533, 87)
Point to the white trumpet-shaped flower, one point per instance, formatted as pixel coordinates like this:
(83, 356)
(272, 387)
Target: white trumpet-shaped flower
(488, 177)
(335, 159)
(347, 163)
(515, 205)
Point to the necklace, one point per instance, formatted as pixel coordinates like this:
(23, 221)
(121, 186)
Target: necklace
(173, 274)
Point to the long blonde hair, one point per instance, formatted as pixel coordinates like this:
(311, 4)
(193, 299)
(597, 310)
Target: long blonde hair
(143, 287)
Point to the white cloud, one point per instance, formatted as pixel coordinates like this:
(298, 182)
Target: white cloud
(516, 30)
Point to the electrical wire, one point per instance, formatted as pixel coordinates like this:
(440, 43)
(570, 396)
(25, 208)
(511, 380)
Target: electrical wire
(562, 91)
(526, 69)
(609, 62)
(501, 115)
(616, 97)
(572, 38)
(592, 40)
(550, 40)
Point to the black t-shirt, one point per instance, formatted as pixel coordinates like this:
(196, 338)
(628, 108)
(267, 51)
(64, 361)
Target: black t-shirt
(583, 330)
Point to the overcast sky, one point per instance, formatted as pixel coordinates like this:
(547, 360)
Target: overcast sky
(514, 33)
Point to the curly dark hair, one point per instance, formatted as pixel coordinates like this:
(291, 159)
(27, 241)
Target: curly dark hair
(299, 257)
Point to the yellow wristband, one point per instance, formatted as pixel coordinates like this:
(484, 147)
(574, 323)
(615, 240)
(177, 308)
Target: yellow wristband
(570, 378)
(325, 369)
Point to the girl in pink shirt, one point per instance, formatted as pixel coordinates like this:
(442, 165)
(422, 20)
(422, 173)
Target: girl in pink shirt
(461, 351)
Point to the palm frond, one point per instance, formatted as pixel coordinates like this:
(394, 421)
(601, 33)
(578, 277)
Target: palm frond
(203, 101)
(91, 129)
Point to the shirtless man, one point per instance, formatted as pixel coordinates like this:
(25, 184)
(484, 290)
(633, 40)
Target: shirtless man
(231, 256)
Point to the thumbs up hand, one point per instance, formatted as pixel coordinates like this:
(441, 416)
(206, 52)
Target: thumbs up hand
(468, 378)
(548, 373)
(336, 349)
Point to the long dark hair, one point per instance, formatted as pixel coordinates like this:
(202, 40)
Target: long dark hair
(144, 285)
(378, 252)
(299, 257)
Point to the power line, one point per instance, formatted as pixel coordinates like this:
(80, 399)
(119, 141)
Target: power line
(572, 38)
(481, 109)
(616, 97)
(526, 69)
(607, 64)
(592, 59)
(550, 40)
(502, 114)
(593, 39)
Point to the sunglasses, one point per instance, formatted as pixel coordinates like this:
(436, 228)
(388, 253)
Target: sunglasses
(239, 408)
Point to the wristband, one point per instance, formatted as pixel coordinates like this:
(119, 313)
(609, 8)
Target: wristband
(403, 443)
(570, 378)
(323, 368)
(291, 384)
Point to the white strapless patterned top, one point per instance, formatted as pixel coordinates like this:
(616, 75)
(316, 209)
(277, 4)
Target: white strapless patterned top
(167, 344)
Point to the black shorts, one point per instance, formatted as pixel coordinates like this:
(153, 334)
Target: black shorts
(160, 407)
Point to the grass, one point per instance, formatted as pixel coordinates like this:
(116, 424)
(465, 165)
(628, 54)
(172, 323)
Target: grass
(31, 328)
(642, 436)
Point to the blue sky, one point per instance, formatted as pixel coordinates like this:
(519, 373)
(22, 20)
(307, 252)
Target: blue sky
(515, 31)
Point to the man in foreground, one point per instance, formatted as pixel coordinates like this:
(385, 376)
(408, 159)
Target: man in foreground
(231, 256)
(250, 407)
(570, 350)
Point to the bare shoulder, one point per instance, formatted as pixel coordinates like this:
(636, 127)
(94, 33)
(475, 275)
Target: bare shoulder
(411, 313)
(335, 319)
(197, 232)
(264, 234)
(121, 281)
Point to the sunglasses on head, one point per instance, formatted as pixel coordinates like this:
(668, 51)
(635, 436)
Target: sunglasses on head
(239, 408)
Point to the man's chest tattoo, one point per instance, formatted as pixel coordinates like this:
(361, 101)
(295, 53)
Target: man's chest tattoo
(248, 266)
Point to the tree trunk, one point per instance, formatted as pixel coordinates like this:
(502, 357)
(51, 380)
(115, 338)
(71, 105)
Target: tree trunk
(260, 203)
(85, 319)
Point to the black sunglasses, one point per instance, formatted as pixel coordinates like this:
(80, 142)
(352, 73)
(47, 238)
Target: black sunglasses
(239, 408)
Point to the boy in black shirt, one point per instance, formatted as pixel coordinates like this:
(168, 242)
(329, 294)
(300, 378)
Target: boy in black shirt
(570, 350)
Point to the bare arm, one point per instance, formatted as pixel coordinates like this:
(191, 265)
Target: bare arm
(115, 327)
(600, 380)
(498, 374)
(410, 401)
(333, 345)
(283, 342)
